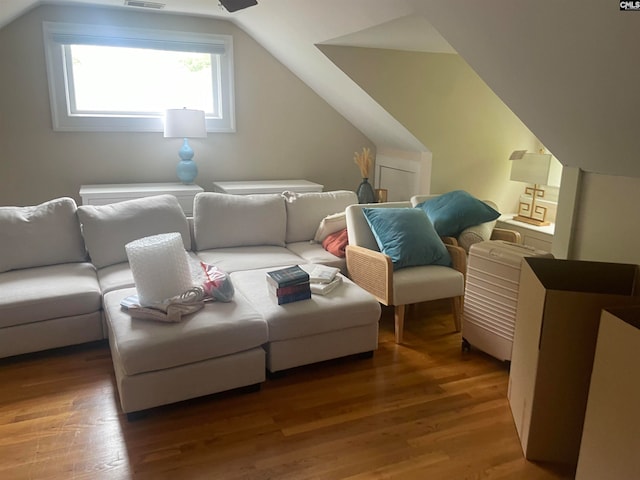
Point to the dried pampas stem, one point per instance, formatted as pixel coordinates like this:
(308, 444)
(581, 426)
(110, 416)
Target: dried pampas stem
(364, 161)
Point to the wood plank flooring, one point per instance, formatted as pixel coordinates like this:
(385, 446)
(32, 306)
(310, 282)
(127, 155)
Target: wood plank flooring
(423, 410)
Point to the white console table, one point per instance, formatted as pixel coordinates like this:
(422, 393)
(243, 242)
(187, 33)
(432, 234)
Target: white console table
(113, 193)
(266, 186)
(540, 238)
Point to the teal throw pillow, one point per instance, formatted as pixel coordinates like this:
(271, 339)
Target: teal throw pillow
(407, 236)
(452, 212)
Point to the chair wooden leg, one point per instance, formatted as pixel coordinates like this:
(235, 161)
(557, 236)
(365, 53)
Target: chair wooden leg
(399, 320)
(457, 312)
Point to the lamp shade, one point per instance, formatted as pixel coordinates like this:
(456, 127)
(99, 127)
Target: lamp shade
(184, 123)
(536, 168)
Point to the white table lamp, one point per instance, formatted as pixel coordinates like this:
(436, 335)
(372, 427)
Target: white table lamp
(185, 123)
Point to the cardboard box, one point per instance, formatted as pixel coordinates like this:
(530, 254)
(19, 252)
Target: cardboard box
(557, 319)
(611, 434)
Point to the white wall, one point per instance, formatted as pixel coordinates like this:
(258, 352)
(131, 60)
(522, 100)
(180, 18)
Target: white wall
(568, 70)
(284, 129)
(607, 226)
(442, 101)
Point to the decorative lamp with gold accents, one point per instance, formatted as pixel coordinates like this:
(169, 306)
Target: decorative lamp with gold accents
(539, 170)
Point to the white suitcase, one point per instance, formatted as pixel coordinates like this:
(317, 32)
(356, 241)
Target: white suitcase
(491, 295)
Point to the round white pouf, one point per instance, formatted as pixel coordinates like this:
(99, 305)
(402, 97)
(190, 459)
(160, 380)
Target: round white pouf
(160, 267)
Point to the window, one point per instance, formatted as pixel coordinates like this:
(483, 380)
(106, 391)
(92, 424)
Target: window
(104, 78)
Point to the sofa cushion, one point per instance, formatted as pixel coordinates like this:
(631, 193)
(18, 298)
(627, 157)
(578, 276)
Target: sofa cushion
(305, 211)
(312, 252)
(454, 211)
(114, 277)
(118, 275)
(248, 258)
(45, 234)
(43, 293)
(108, 228)
(407, 236)
(222, 220)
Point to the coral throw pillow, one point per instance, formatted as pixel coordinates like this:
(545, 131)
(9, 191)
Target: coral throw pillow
(336, 243)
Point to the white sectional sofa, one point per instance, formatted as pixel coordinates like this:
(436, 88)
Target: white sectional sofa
(64, 270)
(49, 292)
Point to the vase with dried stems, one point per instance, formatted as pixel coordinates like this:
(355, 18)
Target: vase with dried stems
(365, 190)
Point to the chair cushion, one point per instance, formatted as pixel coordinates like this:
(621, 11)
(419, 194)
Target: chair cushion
(222, 220)
(108, 228)
(407, 236)
(422, 284)
(454, 211)
(45, 234)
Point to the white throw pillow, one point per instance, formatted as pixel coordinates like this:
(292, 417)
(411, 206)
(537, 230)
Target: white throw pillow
(45, 234)
(222, 220)
(108, 228)
(330, 224)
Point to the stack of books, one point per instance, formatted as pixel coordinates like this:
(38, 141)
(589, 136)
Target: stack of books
(290, 284)
(324, 279)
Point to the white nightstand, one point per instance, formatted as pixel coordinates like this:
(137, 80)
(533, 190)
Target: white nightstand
(113, 193)
(266, 186)
(540, 238)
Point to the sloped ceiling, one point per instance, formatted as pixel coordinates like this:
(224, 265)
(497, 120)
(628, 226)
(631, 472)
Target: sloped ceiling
(567, 69)
(290, 30)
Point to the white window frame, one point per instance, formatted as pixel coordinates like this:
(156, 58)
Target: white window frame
(56, 35)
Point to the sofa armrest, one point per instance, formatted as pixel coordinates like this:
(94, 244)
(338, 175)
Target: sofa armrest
(506, 235)
(372, 271)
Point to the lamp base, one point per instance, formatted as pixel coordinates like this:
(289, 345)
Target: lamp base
(187, 171)
(531, 221)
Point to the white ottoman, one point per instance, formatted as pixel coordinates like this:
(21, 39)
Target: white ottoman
(215, 349)
(344, 322)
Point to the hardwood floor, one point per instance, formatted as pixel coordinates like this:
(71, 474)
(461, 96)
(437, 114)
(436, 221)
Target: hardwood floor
(423, 410)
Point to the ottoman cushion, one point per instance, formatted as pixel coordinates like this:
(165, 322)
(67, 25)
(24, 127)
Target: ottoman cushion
(345, 307)
(217, 330)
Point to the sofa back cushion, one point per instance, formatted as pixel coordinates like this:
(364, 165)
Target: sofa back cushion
(45, 234)
(305, 211)
(108, 228)
(222, 220)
